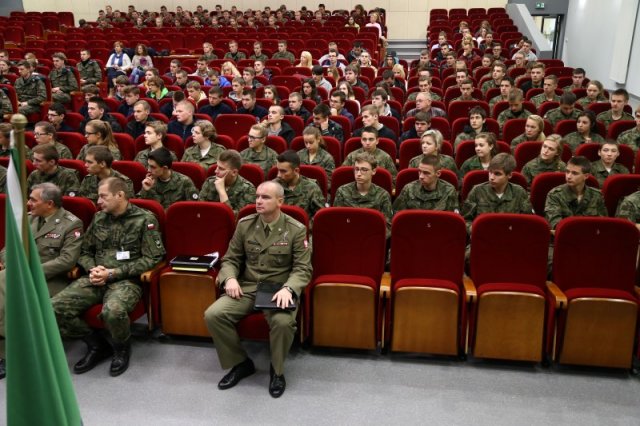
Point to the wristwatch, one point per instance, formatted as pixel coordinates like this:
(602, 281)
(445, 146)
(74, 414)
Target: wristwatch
(110, 275)
(290, 289)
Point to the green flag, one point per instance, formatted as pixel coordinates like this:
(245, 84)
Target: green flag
(39, 388)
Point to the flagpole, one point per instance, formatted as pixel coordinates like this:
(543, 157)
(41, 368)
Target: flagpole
(19, 123)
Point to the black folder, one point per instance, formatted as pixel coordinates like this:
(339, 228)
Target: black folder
(265, 293)
(194, 263)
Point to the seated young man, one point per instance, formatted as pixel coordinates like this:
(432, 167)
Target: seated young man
(369, 139)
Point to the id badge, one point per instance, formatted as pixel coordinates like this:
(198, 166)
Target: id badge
(122, 255)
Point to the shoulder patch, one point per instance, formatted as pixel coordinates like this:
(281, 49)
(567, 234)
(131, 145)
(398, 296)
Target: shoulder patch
(251, 216)
(293, 221)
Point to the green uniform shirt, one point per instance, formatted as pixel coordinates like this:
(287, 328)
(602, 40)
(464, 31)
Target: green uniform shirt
(178, 188)
(536, 166)
(414, 95)
(89, 186)
(469, 164)
(630, 138)
(31, 90)
(266, 158)
(322, 159)
(490, 84)
(556, 114)
(384, 160)
(5, 104)
(66, 179)
(130, 243)
(601, 173)
(282, 257)
(284, 55)
(114, 151)
(562, 202)
(518, 140)
(376, 199)
(64, 79)
(192, 155)
(464, 136)
(89, 71)
(260, 57)
(415, 196)
(306, 195)
(446, 162)
(607, 118)
(574, 139)
(629, 208)
(483, 199)
(585, 101)
(240, 193)
(542, 98)
(142, 157)
(493, 101)
(507, 114)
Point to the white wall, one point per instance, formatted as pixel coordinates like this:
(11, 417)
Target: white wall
(406, 19)
(590, 37)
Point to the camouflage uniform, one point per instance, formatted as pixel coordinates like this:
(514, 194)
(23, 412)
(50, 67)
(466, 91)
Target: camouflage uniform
(464, 136)
(415, 196)
(284, 55)
(518, 140)
(90, 72)
(586, 101)
(459, 98)
(3, 179)
(556, 114)
(562, 202)
(334, 130)
(66, 81)
(83, 152)
(306, 195)
(63, 151)
(493, 101)
(414, 95)
(192, 155)
(266, 158)
(209, 56)
(260, 57)
(483, 199)
(542, 98)
(469, 164)
(574, 140)
(600, 172)
(89, 185)
(31, 90)
(536, 166)
(238, 56)
(377, 199)
(491, 84)
(142, 157)
(134, 233)
(446, 162)
(630, 138)
(629, 208)
(66, 179)
(322, 159)
(5, 104)
(607, 118)
(507, 114)
(27, 152)
(282, 257)
(178, 188)
(384, 160)
(240, 193)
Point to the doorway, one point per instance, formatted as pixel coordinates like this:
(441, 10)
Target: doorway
(551, 27)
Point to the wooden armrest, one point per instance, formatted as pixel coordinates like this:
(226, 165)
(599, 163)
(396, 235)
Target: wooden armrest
(145, 277)
(74, 273)
(637, 289)
(561, 298)
(385, 285)
(469, 289)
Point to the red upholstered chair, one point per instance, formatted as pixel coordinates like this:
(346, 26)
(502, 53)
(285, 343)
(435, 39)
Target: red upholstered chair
(251, 172)
(460, 109)
(332, 145)
(458, 126)
(387, 145)
(234, 125)
(171, 142)
(342, 307)
(564, 127)
(193, 170)
(476, 177)
(616, 187)
(133, 170)
(126, 145)
(409, 148)
(193, 228)
(277, 143)
(441, 124)
(73, 141)
(512, 129)
(427, 303)
(467, 149)
(598, 304)
(590, 150)
(77, 165)
(344, 123)
(82, 207)
(545, 182)
(546, 107)
(512, 310)
(526, 152)
(344, 174)
(618, 127)
(296, 123)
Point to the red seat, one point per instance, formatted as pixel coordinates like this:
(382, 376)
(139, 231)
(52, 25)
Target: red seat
(409, 148)
(512, 312)
(341, 304)
(616, 187)
(193, 170)
(387, 145)
(618, 127)
(73, 141)
(526, 152)
(594, 268)
(467, 149)
(133, 170)
(476, 177)
(82, 207)
(458, 126)
(545, 182)
(332, 145)
(234, 125)
(590, 150)
(126, 145)
(460, 109)
(296, 123)
(344, 174)
(427, 296)
(171, 142)
(77, 165)
(564, 127)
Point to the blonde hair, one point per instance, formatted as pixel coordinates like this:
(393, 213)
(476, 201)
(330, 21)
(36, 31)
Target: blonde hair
(540, 123)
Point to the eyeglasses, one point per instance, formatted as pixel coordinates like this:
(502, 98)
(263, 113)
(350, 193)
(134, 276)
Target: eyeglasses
(40, 134)
(361, 169)
(90, 133)
(254, 138)
(51, 114)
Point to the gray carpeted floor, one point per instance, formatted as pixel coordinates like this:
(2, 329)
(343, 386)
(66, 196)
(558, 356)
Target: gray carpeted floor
(175, 384)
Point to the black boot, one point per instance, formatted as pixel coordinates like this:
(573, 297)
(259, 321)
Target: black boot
(98, 349)
(120, 361)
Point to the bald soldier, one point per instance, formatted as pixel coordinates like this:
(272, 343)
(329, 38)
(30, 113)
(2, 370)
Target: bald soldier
(267, 246)
(58, 237)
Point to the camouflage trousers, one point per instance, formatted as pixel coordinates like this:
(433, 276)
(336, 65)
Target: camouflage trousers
(118, 299)
(61, 97)
(29, 109)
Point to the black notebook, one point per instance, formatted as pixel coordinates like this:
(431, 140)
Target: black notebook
(265, 293)
(194, 263)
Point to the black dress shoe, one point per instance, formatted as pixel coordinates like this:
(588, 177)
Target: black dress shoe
(237, 373)
(3, 369)
(98, 349)
(277, 385)
(120, 360)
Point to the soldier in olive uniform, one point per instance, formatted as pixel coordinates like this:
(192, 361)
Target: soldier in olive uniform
(363, 193)
(631, 137)
(429, 192)
(63, 81)
(5, 104)
(315, 153)
(548, 160)
(164, 185)
(299, 190)
(98, 163)
(227, 186)
(122, 242)
(574, 198)
(516, 109)
(369, 141)
(283, 53)
(607, 165)
(30, 89)
(268, 246)
(549, 91)
(259, 153)
(629, 208)
(204, 136)
(45, 134)
(89, 69)
(566, 110)
(619, 99)
(58, 237)
(45, 158)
